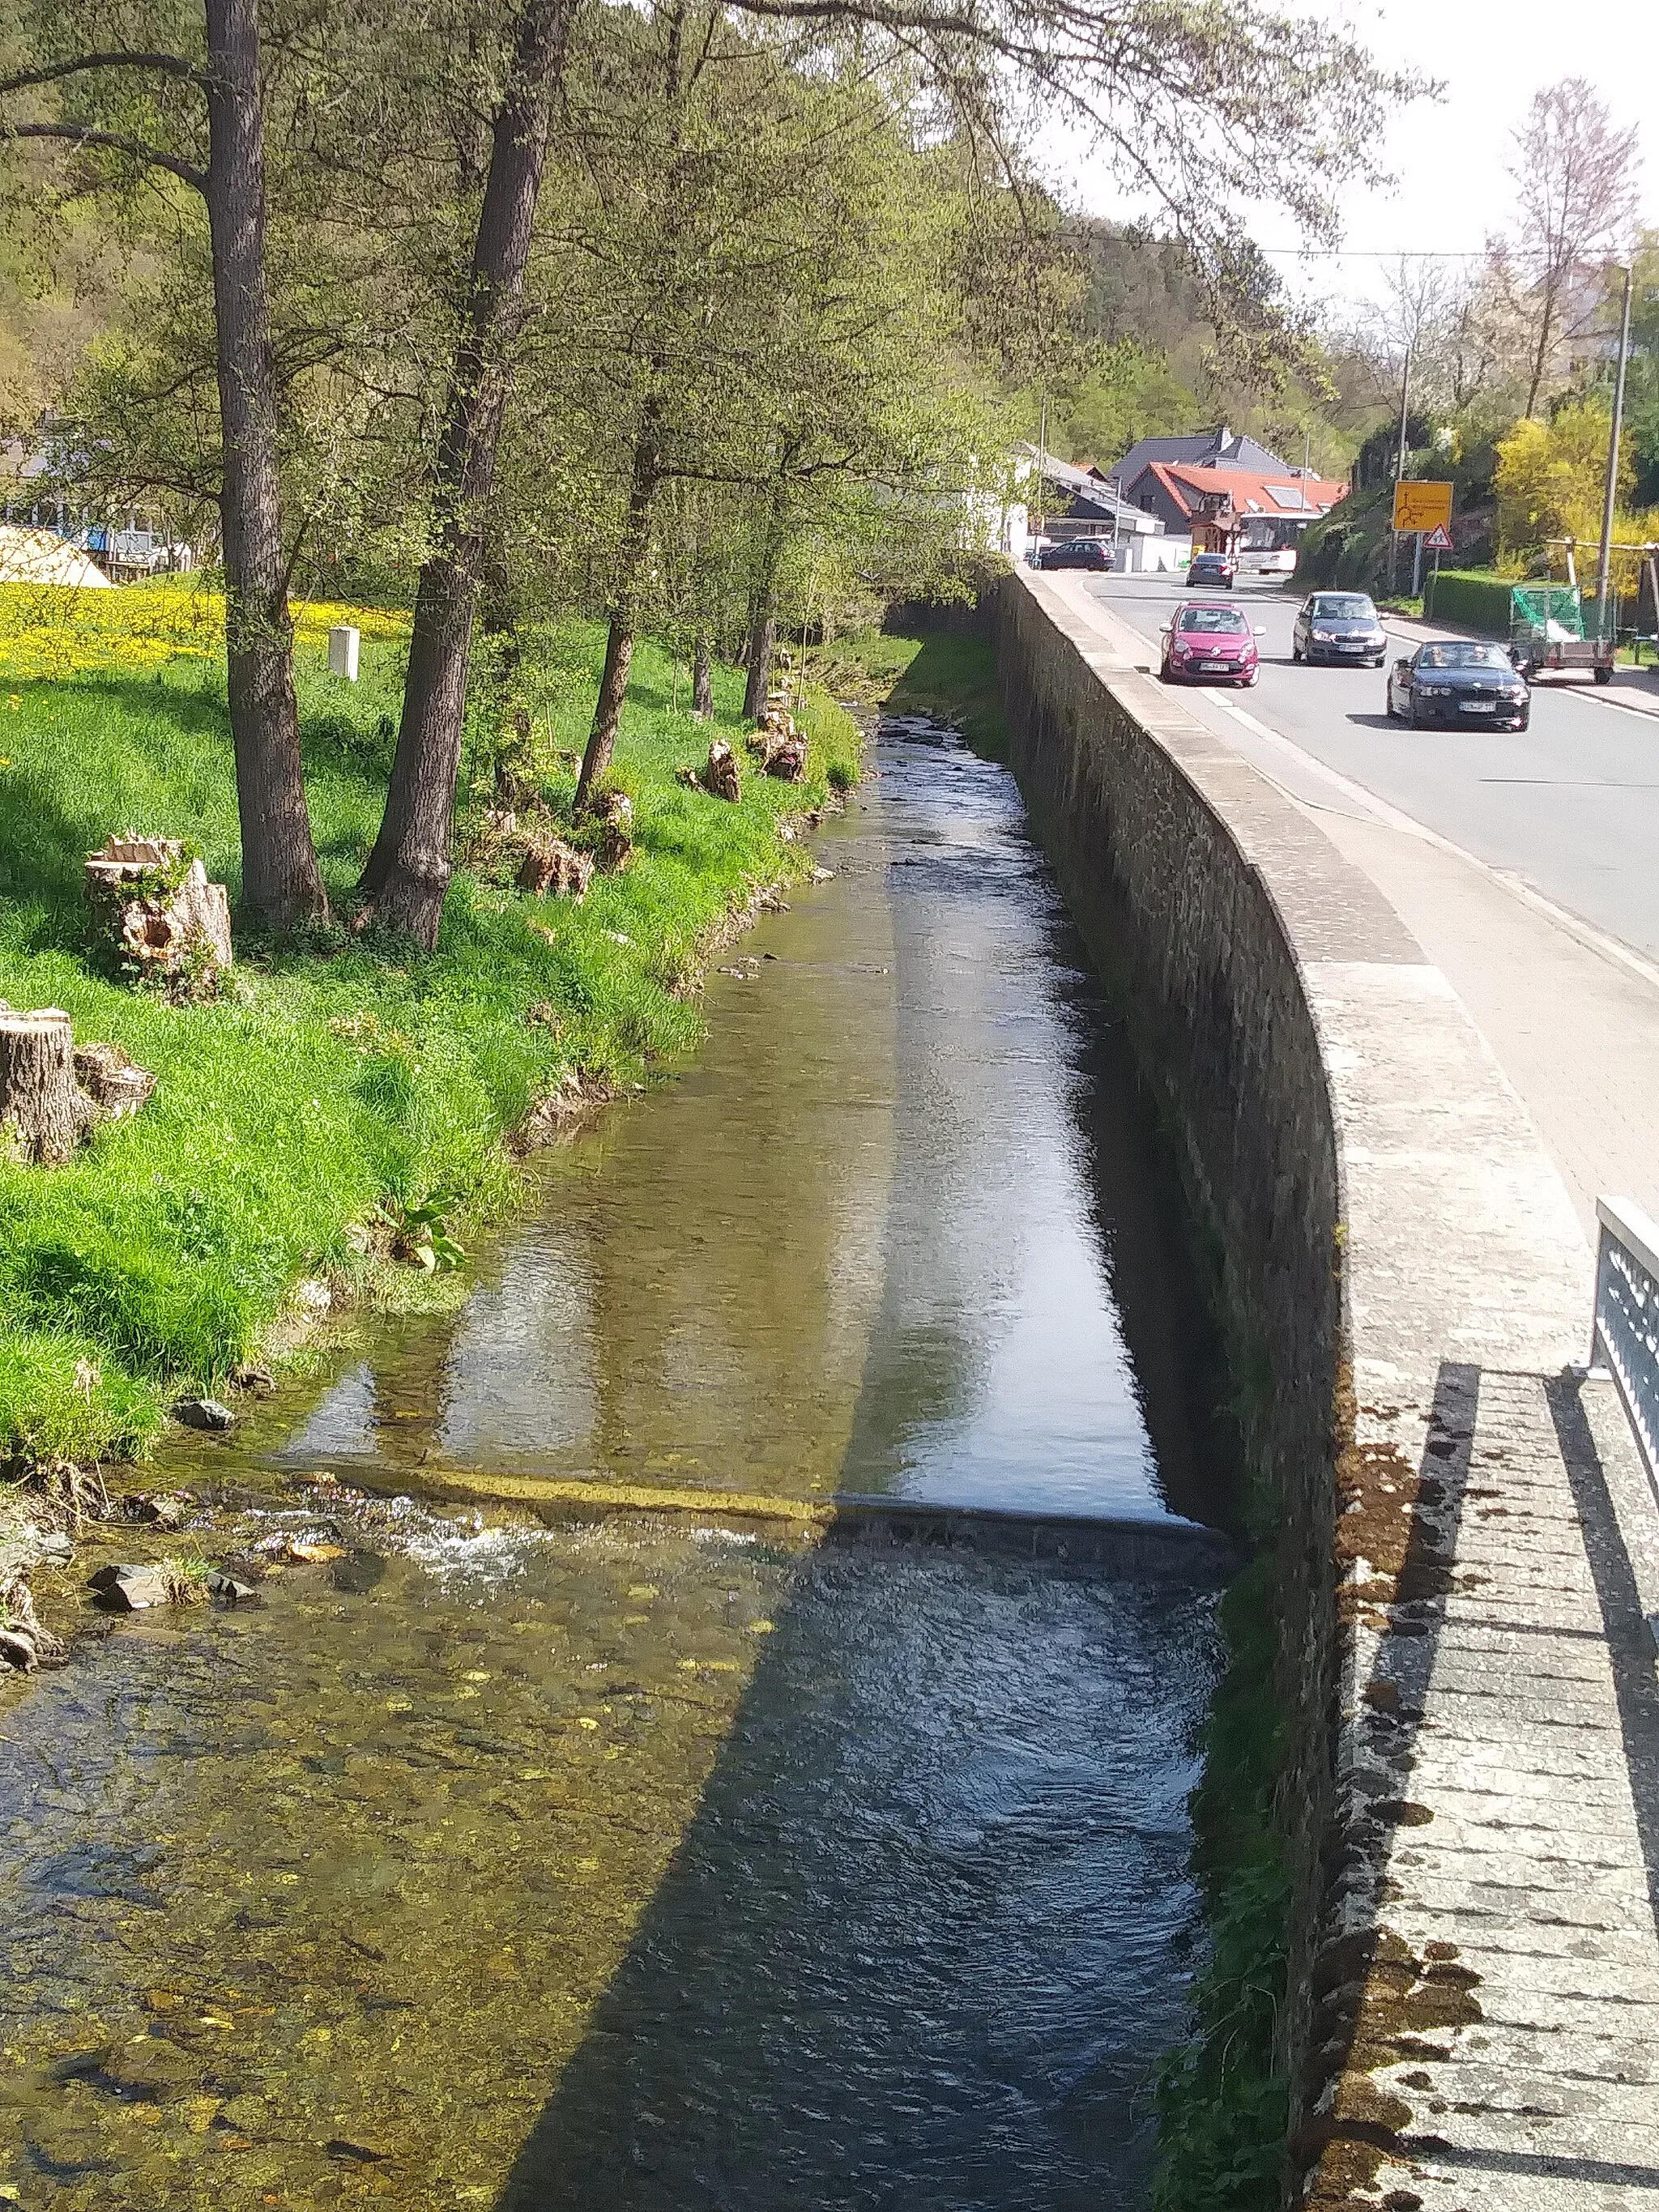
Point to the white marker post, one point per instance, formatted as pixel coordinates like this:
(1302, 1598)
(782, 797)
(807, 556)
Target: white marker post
(343, 643)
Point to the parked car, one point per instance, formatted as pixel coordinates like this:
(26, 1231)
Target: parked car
(1076, 553)
(1211, 568)
(1459, 680)
(1209, 644)
(1339, 626)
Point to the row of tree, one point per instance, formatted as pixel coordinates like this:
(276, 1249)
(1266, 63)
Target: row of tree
(679, 311)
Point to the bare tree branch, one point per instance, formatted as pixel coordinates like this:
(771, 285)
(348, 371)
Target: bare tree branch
(82, 134)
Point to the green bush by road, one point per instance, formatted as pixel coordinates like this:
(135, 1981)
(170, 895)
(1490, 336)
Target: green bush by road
(1467, 599)
(339, 1074)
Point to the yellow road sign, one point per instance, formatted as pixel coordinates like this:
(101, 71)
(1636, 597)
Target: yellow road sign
(1422, 506)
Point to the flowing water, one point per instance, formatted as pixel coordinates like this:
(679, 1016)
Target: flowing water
(680, 1859)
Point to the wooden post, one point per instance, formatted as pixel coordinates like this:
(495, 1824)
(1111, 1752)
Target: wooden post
(42, 1109)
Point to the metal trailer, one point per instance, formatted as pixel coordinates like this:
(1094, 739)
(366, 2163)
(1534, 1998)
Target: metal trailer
(1546, 631)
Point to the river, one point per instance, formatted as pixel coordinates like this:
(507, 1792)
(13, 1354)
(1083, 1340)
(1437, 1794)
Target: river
(680, 1859)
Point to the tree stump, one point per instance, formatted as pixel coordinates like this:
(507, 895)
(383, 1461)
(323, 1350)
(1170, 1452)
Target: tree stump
(165, 919)
(551, 864)
(110, 1081)
(720, 776)
(42, 1110)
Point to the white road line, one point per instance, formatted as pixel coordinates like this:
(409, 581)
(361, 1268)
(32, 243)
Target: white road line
(1391, 817)
(1379, 810)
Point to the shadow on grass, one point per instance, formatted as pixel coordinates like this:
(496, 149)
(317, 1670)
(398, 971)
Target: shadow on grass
(954, 678)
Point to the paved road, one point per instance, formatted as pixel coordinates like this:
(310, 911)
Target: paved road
(1571, 805)
(1539, 899)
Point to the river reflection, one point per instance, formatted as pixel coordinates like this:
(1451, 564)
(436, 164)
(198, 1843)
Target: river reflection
(649, 1867)
(886, 1234)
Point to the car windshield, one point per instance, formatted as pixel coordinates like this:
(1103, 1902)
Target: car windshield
(1342, 606)
(1217, 620)
(1462, 654)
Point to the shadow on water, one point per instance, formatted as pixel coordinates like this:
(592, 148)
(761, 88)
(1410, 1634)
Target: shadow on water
(917, 1945)
(665, 1867)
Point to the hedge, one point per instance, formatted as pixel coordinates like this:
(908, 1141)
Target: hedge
(1470, 600)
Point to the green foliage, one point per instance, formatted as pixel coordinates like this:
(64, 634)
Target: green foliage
(1469, 599)
(1222, 2105)
(335, 1076)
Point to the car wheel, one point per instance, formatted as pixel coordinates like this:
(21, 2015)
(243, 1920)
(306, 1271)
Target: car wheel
(1245, 682)
(1525, 721)
(1296, 654)
(1604, 676)
(1413, 719)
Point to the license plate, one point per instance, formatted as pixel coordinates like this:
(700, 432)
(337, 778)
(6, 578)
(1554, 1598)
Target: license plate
(1353, 648)
(1215, 668)
(1479, 705)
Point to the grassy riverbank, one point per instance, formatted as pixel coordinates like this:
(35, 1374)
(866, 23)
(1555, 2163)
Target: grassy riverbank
(336, 1077)
(952, 677)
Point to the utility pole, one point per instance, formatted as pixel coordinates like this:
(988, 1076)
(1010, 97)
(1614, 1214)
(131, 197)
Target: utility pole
(1610, 500)
(1399, 458)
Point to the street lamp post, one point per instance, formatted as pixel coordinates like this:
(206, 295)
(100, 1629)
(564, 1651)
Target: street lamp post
(1400, 459)
(1610, 498)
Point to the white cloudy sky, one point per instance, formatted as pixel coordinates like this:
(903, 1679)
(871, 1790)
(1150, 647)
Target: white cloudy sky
(1449, 156)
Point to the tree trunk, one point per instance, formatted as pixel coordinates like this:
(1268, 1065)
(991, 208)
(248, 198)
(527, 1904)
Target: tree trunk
(763, 608)
(702, 676)
(408, 872)
(282, 883)
(41, 1109)
(624, 614)
(763, 639)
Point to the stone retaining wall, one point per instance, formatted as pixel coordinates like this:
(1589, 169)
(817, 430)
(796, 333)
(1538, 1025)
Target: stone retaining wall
(1404, 1282)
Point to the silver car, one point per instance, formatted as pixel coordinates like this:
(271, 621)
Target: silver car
(1339, 626)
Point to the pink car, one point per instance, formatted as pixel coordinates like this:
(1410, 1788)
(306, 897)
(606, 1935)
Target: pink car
(1210, 642)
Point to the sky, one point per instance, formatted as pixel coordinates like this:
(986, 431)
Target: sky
(1449, 156)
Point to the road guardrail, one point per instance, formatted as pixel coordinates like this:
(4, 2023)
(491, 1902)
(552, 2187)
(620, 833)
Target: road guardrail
(1625, 1338)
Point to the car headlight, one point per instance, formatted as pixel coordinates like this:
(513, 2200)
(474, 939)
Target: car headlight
(1324, 637)
(1436, 690)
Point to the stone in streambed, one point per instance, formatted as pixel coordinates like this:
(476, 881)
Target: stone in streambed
(131, 1588)
(228, 1590)
(204, 1413)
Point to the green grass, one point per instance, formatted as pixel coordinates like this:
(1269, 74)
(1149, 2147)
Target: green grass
(330, 1078)
(945, 674)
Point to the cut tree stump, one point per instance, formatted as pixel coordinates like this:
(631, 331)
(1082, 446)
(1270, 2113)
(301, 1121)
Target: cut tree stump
(720, 776)
(110, 1081)
(178, 931)
(551, 866)
(42, 1108)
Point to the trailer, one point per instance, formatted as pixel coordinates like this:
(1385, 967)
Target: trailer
(1547, 632)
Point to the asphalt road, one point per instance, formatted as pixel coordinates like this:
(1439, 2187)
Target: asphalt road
(1571, 805)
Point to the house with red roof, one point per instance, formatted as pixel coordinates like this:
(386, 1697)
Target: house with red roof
(1233, 494)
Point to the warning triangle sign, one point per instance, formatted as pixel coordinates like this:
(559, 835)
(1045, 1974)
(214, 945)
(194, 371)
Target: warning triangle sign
(1438, 541)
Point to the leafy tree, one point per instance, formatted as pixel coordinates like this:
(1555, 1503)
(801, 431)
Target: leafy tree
(1551, 476)
(153, 88)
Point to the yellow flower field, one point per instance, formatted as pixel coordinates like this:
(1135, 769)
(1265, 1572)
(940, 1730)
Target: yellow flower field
(59, 630)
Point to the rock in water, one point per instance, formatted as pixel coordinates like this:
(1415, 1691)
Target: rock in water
(228, 1590)
(131, 1588)
(720, 776)
(204, 1413)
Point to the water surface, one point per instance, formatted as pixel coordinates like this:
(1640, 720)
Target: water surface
(646, 1864)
